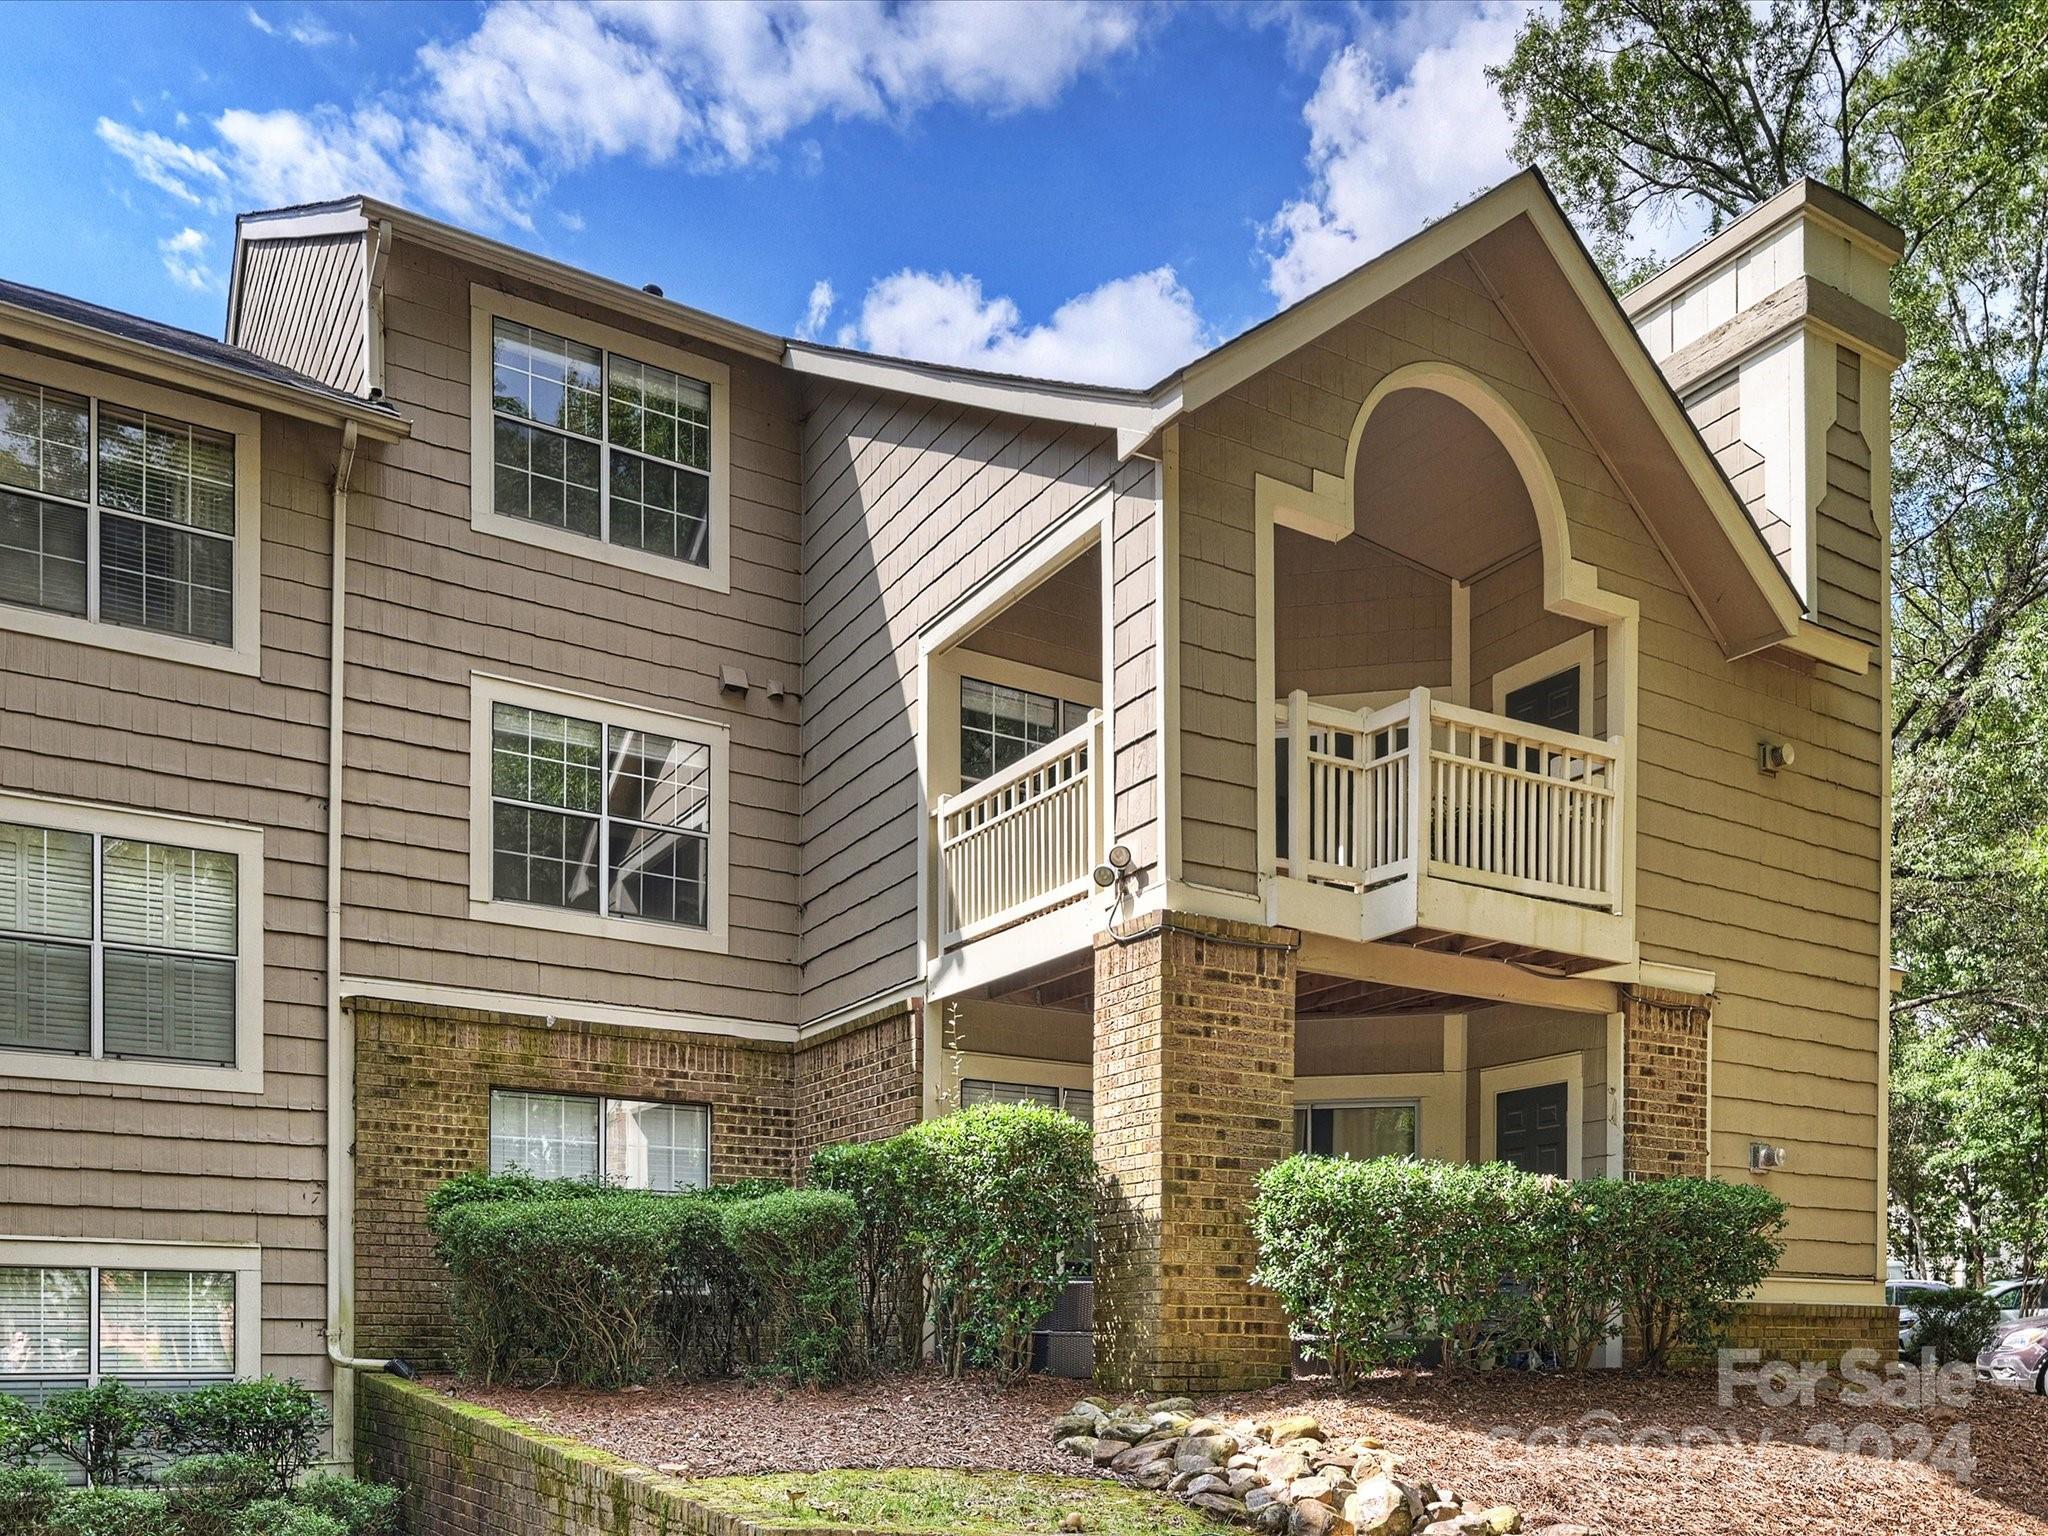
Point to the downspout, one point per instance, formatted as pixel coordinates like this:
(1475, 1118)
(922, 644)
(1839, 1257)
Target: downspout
(341, 1055)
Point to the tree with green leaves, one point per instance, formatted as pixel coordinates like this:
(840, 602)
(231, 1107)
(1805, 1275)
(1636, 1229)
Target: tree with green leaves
(1935, 112)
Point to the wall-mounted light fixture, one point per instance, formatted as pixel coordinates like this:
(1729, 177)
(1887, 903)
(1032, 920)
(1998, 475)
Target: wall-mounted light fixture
(1772, 756)
(1765, 1158)
(1117, 865)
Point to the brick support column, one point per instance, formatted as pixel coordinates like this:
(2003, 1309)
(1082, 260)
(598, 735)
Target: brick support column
(1194, 1096)
(1664, 1083)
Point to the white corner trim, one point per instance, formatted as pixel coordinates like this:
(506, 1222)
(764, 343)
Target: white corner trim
(1569, 1069)
(246, 844)
(1573, 654)
(486, 304)
(244, 653)
(488, 689)
(243, 1260)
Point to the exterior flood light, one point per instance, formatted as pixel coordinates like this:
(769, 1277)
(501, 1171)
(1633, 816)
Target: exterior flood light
(1118, 865)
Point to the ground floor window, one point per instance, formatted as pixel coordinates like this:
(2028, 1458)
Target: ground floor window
(1384, 1129)
(631, 1143)
(66, 1326)
(1078, 1102)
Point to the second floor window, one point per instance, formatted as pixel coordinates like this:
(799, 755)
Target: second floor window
(593, 818)
(1000, 726)
(599, 444)
(116, 948)
(116, 515)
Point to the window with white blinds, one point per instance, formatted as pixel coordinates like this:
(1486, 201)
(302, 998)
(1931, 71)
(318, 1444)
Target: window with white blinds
(117, 948)
(71, 1326)
(631, 1143)
(116, 515)
(1078, 1102)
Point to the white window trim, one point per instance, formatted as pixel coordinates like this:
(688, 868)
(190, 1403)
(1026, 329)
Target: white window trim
(246, 844)
(487, 690)
(244, 655)
(601, 1100)
(1567, 655)
(243, 1260)
(1396, 1102)
(487, 304)
(1569, 1069)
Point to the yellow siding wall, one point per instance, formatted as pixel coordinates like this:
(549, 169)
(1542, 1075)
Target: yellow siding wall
(1770, 883)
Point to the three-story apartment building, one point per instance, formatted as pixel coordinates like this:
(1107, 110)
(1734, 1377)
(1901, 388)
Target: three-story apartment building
(484, 714)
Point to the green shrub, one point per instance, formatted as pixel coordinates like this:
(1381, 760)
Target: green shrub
(1373, 1259)
(1007, 1199)
(276, 1423)
(796, 1252)
(109, 1512)
(362, 1509)
(1690, 1250)
(104, 1431)
(886, 1182)
(741, 1189)
(203, 1494)
(27, 1495)
(568, 1290)
(17, 1430)
(1956, 1325)
(282, 1517)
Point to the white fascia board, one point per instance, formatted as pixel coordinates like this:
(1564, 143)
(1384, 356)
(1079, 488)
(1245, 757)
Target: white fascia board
(1133, 418)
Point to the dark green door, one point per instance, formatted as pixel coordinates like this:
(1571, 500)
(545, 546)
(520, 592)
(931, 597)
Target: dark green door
(1529, 1129)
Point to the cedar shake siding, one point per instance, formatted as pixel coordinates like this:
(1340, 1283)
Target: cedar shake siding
(908, 504)
(433, 600)
(130, 732)
(1771, 884)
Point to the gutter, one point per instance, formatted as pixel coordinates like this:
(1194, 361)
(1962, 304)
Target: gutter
(341, 1045)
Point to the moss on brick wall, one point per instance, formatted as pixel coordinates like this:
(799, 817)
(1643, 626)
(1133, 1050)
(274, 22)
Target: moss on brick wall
(469, 1471)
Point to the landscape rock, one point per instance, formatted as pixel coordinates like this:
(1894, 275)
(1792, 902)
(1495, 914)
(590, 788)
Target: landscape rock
(1281, 1476)
(1300, 1426)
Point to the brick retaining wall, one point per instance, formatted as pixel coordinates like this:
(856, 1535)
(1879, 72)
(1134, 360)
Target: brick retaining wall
(463, 1470)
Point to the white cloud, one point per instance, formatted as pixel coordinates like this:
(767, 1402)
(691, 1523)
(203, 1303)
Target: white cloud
(1388, 150)
(817, 310)
(493, 117)
(184, 257)
(1132, 331)
(305, 30)
(188, 174)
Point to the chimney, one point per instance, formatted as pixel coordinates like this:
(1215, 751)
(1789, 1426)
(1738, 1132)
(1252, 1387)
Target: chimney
(1777, 334)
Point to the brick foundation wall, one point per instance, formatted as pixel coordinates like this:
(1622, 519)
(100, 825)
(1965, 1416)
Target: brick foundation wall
(423, 1086)
(1799, 1331)
(860, 1081)
(1194, 1096)
(1664, 1083)
(467, 1471)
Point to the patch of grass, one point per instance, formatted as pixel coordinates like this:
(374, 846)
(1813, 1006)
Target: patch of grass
(923, 1499)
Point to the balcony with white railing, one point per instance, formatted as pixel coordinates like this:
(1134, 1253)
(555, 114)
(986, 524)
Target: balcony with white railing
(1425, 822)
(1023, 842)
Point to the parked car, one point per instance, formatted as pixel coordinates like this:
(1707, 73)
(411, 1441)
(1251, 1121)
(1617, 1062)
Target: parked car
(2017, 1355)
(1902, 1294)
(2019, 1298)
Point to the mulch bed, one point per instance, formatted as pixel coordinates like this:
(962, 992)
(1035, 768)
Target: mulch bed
(1625, 1455)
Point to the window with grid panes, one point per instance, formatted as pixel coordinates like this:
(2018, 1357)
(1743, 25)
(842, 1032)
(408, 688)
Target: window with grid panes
(1001, 725)
(115, 515)
(600, 444)
(593, 818)
(114, 947)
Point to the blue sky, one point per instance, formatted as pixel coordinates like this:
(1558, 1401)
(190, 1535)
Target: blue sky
(1085, 191)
